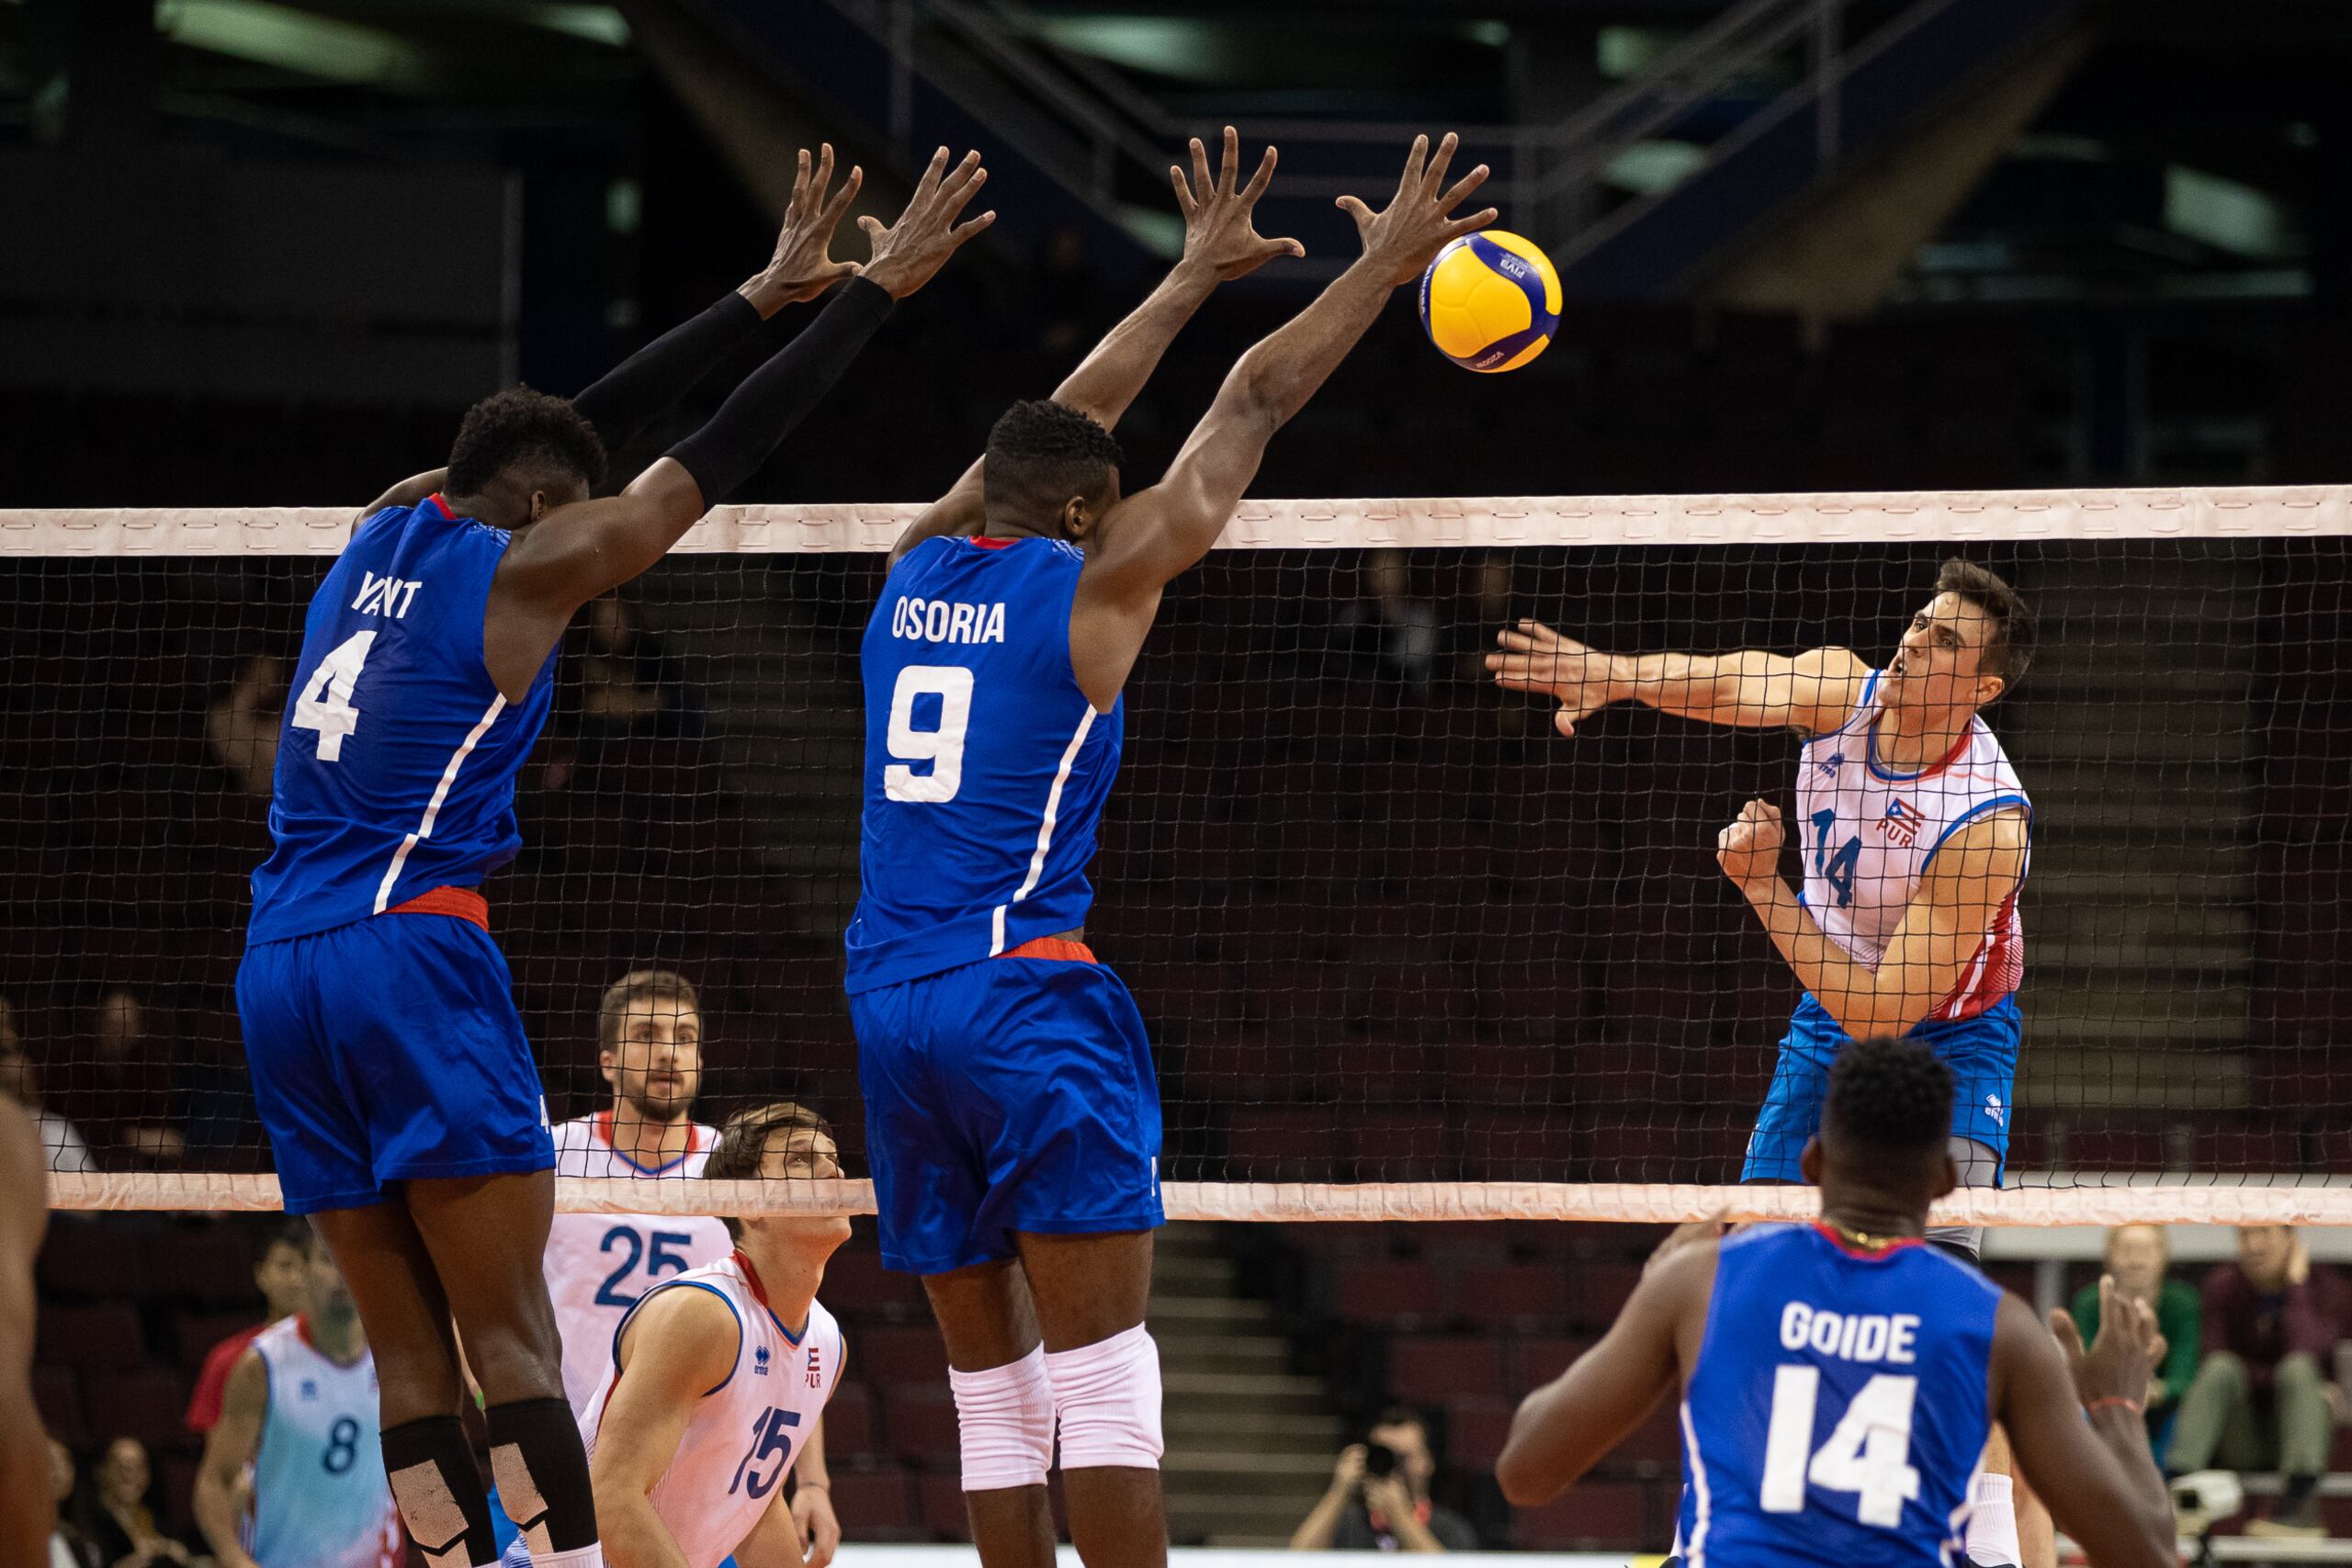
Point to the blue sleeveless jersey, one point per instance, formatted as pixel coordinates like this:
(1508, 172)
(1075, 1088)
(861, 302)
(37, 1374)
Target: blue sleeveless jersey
(1840, 1406)
(986, 767)
(397, 758)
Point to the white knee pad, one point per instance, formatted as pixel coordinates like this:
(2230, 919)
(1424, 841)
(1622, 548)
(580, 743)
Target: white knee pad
(1005, 1418)
(1106, 1397)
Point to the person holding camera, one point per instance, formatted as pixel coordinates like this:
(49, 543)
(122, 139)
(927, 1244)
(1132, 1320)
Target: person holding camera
(1379, 1496)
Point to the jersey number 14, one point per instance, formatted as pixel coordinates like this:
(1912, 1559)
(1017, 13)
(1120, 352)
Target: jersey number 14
(1867, 1453)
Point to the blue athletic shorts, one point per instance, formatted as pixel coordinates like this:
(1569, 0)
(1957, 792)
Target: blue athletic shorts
(1015, 1094)
(385, 1050)
(1981, 1052)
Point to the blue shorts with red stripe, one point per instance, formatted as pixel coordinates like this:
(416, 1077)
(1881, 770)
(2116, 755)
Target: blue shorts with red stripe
(388, 1050)
(1015, 1094)
(1981, 1052)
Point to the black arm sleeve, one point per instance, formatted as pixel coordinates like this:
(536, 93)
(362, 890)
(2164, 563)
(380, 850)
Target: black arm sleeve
(779, 395)
(634, 394)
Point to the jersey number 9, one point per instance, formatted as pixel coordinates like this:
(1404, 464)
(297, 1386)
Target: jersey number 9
(941, 745)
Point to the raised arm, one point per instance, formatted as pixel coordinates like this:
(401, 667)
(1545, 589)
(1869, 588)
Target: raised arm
(2097, 1475)
(228, 1448)
(1958, 901)
(1220, 244)
(1156, 534)
(1812, 692)
(678, 1348)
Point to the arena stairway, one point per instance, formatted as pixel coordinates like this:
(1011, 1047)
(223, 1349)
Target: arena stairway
(1250, 1444)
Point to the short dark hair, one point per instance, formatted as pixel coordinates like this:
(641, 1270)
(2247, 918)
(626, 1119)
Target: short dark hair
(2009, 649)
(657, 985)
(299, 1235)
(1893, 1096)
(1043, 446)
(521, 426)
(742, 1143)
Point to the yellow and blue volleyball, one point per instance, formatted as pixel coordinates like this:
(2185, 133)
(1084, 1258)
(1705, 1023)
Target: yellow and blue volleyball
(1490, 302)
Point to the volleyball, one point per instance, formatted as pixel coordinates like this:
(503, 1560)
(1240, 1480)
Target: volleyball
(1490, 302)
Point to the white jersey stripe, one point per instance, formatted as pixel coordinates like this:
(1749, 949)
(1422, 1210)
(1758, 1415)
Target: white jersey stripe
(1045, 831)
(1701, 1504)
(440, 794)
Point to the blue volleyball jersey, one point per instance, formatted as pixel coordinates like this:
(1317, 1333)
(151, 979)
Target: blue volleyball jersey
(1840, 1403)
(397, 757)
(986, 767)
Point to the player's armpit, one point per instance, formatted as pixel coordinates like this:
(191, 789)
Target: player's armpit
(410, 492)
(228, 1448)
(960, 511)
(1567, 1425)
(2099, 1479)
(681, 1343)
(1947, 922)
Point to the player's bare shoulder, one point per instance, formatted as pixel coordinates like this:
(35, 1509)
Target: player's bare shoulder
(1824, 686)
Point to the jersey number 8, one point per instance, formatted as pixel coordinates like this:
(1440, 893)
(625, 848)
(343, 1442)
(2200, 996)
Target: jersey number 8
(1869, 1452)
(941, 746)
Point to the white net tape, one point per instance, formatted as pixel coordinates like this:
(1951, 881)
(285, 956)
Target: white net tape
(2035, 1200)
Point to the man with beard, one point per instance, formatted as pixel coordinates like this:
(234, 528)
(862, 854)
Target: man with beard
(648, 1047)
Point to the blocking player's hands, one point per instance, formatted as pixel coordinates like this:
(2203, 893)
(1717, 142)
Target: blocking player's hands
(1689, 1234)
(803, 267)
(1749, 848)
(1221, 237)
(1404, 237)
(910, 253)
(2121, 1362)
(820, 1531)
(1534, 658)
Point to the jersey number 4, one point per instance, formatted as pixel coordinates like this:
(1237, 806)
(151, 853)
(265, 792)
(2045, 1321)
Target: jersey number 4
(1869, 1452)
(941, 746)
(325, 704)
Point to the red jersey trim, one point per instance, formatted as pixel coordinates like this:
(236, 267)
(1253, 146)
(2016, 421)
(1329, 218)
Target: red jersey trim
(442, 506)
(464, 903)
(601, 1124)
(1829, 1233)
(1055, 947)
(982, 542)
(760, 1294)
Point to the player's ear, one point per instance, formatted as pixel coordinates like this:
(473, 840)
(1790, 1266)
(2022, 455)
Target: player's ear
(1947, 1179)
(609, 1067)
(1809, 1162)
(1077, 518)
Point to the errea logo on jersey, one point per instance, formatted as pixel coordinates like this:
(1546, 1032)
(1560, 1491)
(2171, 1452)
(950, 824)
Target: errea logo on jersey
(942, 620)
(759, 1361)
(388, 596)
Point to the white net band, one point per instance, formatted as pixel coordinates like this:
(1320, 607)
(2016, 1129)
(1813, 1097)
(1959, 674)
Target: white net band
(2153, 1202)
(2222, 512)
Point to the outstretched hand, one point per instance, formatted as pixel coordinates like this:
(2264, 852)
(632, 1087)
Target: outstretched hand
(1404, 237)
(803, 267)
(1219, 222)
(910, 253)
(2124, 1356)
(1537, 659)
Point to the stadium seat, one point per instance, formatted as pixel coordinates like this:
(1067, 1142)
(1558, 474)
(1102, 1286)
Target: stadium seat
(1430, 1370)
(57, 1395)
(1592, 1516)
(942, 1515)
(207, 1262)
(145, 1403)
(98, 1336)
(857, 1285)
(194, 1334)
(872, 1505)
(849, 1432)
(85, 1260)
(1475, 1431)
(1516, 1295)
(1388, 1293)
(888, 1356)
(1536, 1360)
(922, 1423)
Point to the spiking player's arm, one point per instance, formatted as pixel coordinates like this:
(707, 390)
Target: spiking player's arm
(228, 1448)
(25, 1507)
(578, 552)
(1567, 1425)
(1220, 244)
(1152, 538)
(1959, 892)
(2097, 1475)
(1812, 692)
(680, 1345)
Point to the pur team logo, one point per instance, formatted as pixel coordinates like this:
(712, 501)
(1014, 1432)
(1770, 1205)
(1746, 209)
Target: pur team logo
(1901, 823)
(816, 1369)
(759, 1361)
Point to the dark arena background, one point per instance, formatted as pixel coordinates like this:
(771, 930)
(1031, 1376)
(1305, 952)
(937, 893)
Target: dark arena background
(1449, 1011)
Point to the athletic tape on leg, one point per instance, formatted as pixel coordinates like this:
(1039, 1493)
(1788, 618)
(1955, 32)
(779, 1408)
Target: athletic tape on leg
(1004, 1417)
(438, 1493)
(542, 1473)
(1106, 1399)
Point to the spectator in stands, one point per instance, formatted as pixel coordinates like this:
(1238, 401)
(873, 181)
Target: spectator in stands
(2138, 1256)
(282, 1278)
(119, 1092)
(2260, 1398)
(19, 1081)
(68, 1547)
(114, 1515)
(242, 726)
(1381, 1501)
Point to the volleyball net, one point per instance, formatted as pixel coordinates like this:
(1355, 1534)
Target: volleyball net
(1405, 951)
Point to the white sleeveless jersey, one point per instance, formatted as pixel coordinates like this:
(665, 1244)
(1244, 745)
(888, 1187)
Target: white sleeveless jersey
(1868, 832)
(598, 1265)
(747, 1431)
(320, 1496)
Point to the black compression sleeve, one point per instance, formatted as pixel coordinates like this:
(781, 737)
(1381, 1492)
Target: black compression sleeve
(634, 394)
(776, 397)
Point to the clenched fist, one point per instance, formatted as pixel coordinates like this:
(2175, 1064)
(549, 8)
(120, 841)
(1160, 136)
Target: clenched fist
(1749, 848)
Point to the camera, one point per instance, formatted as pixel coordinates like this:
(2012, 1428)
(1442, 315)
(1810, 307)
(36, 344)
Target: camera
(2204, 1498)
(1379, 1459)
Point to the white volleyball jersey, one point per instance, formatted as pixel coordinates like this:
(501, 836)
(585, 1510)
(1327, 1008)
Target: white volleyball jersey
(1868, 832)
(746, 1432)
(598, 1265)
(320, 1496)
